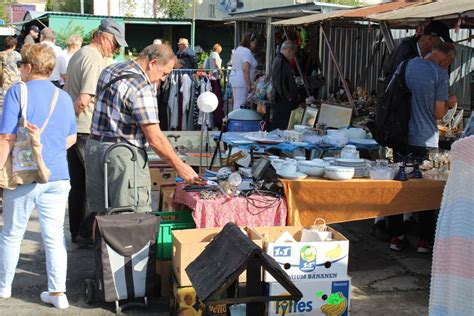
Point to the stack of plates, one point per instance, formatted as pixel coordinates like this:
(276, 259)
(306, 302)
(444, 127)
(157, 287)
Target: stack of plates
(359, 165)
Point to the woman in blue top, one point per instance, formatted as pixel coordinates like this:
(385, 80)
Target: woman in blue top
(37, 63)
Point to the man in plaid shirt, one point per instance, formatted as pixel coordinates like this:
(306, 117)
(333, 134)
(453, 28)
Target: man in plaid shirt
(126, 111)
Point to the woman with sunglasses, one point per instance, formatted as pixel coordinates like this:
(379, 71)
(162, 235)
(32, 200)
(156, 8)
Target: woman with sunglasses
(50, 108)
(244, 66)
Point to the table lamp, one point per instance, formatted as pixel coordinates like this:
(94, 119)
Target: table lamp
(207, 103)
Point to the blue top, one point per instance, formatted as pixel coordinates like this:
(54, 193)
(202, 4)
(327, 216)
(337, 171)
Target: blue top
(428, 83)
(61, 124)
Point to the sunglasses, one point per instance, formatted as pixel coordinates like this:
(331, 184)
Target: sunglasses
(19, 63)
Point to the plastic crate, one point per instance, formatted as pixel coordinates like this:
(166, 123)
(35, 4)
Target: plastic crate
(170, 221)
(243, 126)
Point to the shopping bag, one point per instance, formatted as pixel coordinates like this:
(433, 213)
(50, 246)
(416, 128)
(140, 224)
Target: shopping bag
(317, 232)
(25, 163)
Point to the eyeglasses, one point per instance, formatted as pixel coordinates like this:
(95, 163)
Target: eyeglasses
(19, 63)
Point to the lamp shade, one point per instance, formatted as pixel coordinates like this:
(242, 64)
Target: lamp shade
(207, 102)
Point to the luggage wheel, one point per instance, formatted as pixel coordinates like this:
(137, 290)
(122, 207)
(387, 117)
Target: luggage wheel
(119, 309)
(89, 291)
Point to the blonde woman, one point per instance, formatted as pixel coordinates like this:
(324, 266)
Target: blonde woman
(74, 42)
(49, 199)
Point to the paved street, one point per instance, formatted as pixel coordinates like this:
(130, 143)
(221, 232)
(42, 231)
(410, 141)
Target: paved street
(384, 282)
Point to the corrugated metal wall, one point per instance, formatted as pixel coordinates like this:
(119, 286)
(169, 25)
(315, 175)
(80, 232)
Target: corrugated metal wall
(353, 49)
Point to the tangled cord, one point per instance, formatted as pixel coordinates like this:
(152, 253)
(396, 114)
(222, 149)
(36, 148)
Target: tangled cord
(259, 196)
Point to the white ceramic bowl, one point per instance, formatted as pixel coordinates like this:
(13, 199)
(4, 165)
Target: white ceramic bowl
(339, 173)
(312, 168)
(301, 128)
(355, 133)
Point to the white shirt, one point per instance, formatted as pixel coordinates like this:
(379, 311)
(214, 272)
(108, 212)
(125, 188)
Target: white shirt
(62, 61)
(58, 51)
(239, 57)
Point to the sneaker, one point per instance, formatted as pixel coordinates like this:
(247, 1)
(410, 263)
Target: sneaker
(60, 301)
(380, 231)
(5, 292)
(398, 244)
(424, 247)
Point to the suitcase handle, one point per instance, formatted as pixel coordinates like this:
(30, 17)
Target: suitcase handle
(106, 184)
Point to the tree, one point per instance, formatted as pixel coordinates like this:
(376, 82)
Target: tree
(4, 10)
(172, 8)
(70, 6)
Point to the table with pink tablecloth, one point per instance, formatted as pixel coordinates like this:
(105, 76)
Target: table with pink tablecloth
(257, 210)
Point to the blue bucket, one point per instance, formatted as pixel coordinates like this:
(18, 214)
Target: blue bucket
(243, 126)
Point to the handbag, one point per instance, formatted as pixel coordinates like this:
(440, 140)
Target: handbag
(25, 163)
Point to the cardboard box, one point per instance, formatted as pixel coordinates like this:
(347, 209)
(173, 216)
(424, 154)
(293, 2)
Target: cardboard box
(189, 243)
(307, 260)
(163, 275)
(184, 302)
(161, 175)
(155, 200)
(320, 297)
(166, 198)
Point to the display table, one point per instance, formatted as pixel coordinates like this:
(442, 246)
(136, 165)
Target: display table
(253, 212)
(356, 199)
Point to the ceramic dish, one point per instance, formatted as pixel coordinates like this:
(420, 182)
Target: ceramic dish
(339, 173)
(295, 176)
(364, 141)
(312, 168)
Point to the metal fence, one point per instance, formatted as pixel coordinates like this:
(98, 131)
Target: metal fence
(353, 49)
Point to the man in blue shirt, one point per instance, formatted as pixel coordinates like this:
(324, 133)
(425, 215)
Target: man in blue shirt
(428, 82)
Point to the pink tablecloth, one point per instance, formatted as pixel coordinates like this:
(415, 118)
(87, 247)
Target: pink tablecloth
(256, 211)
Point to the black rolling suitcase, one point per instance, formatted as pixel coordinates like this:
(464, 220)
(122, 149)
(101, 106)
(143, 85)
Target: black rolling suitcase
(124, 250)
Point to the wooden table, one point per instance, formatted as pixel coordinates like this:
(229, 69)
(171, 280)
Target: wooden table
(357, 199)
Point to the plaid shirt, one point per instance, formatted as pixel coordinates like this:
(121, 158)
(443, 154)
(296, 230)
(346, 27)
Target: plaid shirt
(124, 105)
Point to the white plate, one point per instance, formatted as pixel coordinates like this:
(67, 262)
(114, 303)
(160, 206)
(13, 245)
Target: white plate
(351, 161)
(363, 141)
(299, 144)
(296, 176)
(242, 142)
(265, 140)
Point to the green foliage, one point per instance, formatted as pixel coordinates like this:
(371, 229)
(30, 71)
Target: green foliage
(131, 6)
(172, 8)
(70, 29)
(4, 10)
(201, 57)
(70, 6)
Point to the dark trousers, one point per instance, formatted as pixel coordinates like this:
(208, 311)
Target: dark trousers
(77, 202)
(426, 219)
(281, 111)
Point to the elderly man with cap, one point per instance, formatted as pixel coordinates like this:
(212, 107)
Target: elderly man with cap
(32, 36)
(83, 73)
(186, 54)
(126, 111)
(417, 46)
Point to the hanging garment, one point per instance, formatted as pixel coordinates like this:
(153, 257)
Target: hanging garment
(219, 112)
(173, 102)
(185, 90)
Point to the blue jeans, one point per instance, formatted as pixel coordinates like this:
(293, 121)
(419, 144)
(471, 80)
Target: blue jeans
(50, 201)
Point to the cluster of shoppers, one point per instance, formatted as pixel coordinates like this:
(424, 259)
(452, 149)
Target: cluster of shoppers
(99, 106)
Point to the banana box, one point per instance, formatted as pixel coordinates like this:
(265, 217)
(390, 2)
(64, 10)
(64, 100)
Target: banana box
(322, 298)
(316, 260)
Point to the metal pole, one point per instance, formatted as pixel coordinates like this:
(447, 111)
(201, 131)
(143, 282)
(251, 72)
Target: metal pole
(82, 6)
(268, 54)
(388, 37)
(193, 26)
(338, 68)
